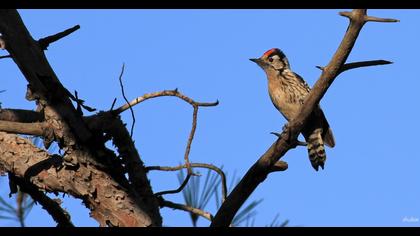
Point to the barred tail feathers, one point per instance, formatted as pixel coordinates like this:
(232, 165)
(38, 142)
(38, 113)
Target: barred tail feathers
(316, 149)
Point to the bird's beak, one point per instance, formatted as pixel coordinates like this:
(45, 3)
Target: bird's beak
(257, 60)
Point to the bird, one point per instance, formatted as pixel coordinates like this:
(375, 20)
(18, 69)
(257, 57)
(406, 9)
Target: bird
(288, 91)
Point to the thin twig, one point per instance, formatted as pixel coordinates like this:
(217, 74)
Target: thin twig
(186, 155)
(113, 103)
(190, 139)
(20, 211)
(126, 100)
(358, 64)
(195, 105)
(45, 42)
(378, 19)
(179, 189)
(196, 165)
(186, 208)
(163, 93)
(353, 65)
(7, 56)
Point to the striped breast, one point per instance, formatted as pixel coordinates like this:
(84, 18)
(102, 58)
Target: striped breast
(287, 92)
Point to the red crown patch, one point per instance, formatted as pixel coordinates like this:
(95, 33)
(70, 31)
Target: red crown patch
(269, 52)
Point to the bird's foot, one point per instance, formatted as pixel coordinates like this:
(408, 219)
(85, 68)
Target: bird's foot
(285, 127)
(276, 134)
(300, 143)
(286, 131)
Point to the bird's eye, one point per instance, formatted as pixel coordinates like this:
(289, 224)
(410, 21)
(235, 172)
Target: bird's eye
(270, 59)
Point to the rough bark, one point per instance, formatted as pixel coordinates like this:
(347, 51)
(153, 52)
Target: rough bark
(89, 170)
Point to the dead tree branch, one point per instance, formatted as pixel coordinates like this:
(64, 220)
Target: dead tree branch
(53, 207)
(45, 42)
(20, 115)
(354, 65)
(196, 211)
(81, 146)
(163, 93)
(198, 165)
(179, 189)
(260, 170)
(126, 100)
(98, 191)
(195, 106)
(37, 129)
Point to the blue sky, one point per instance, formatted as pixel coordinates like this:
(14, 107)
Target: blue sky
(371, 176)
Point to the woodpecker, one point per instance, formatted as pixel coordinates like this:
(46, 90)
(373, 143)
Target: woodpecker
(287, 91)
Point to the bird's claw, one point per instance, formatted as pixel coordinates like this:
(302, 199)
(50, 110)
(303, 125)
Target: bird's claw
(276, 134)
(286, 130)
(300, 143)
(285, 127)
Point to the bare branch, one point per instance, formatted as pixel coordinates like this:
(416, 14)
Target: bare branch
(297, 142)
(45, 42)
(196, 165)
(279, 166)
(20, 211)
(126, 100)
(199, 212)
(352, 15)
(114, 128)
(20, 115)
(195, 105)
(346, 14)
(37, 129)
(43, 82)
(377, 19)
(113, 103)
(264, 165)
(190, 139)
(107, 183)
(53, 207)
(107, 200)
(179, 189)
(7, 56)
(163, 93)
(353, 65)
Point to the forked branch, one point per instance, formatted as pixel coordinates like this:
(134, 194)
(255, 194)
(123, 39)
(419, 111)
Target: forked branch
(196, 165)
(262, 167)
(195, 106)
(174, 93)
(196, 211)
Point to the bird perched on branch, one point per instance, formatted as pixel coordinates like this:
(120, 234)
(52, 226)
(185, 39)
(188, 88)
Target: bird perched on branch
(287, 91)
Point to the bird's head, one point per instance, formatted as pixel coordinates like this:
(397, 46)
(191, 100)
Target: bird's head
(273, 59)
